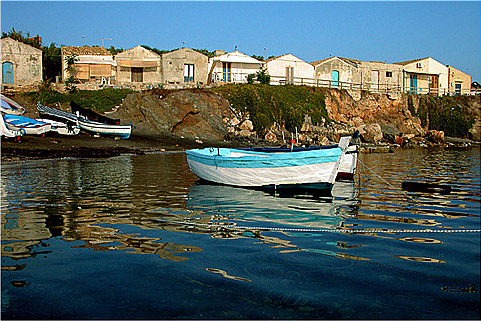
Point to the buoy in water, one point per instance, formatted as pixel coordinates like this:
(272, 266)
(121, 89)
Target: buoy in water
(426, 187)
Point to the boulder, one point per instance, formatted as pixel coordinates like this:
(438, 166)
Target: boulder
(371, 133)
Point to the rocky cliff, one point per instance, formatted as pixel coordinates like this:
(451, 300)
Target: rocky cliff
(203, 114)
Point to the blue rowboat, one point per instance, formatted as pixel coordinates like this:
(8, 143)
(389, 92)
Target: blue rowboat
(30, 126)
(245, 168)
(9, 106)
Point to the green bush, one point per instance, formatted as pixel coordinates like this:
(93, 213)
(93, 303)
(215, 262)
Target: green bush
(446, 114)
(98, 100)
(284, 105)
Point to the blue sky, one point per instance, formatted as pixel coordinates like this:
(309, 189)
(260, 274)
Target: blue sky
(389, 31)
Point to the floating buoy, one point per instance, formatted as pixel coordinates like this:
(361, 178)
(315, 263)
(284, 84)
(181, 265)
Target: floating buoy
(426, 187)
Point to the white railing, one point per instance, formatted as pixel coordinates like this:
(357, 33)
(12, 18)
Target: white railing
(386, 88)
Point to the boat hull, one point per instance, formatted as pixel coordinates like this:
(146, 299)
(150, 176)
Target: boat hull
(122, 131)
(30, 126)
(348, 165)
(9, 106)
(257, 169)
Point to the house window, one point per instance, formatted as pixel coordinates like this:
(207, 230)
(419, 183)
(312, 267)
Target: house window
(188, 73)
(457, 87)
(289, 75)
(389, 74)
(226, 71)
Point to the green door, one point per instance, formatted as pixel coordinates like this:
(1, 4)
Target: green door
(335, 78)
(7, 73)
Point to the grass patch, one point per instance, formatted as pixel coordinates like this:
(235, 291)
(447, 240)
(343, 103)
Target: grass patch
(284, 105)
(98, 100)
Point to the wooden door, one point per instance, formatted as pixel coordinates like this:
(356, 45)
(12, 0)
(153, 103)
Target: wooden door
(335, 78)
(434, 85)
(137, 74)
(414, 83)
(375, 80)
(7, 73)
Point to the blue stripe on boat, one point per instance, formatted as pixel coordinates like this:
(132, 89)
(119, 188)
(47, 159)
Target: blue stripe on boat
(221, 157)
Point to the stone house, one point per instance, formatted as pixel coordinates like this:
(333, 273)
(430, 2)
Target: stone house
(93, 65)
(288, 69)
(232, 67)
(336, 72)
(138, 66)
(459, 83)
(21, 63)
(184, 67)
(425, 76)
(352, 74)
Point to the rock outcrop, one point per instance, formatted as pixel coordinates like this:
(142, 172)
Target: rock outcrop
(204, 115)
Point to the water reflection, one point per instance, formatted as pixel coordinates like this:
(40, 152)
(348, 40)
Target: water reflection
(80, 200)
(218, 241)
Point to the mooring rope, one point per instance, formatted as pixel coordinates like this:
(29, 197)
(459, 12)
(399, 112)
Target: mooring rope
(313, 230)
(385, 181)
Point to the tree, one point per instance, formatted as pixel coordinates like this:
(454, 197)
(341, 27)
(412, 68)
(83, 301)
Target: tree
(263, 77)
(72, 72)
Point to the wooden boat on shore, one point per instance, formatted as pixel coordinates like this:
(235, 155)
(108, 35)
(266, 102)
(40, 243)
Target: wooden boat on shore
(316, 168)
(56, 114)
(92, 115)
(30, 126)
(62, 128)
(122, 131)
(7, 132)
(9, 106)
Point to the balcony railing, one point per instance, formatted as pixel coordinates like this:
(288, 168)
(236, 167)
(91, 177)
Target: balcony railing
(382, 88)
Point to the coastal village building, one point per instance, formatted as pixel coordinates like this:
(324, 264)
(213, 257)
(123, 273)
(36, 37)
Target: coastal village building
(288, 69)
(335, 72)
(93, 65)
(458, 81)
(232, 67)
(21, 63)
(425, 76)
(184, 67)
(346, 73)
(138, 66)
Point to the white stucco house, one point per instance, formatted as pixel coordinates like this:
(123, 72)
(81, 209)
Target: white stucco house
(425, 76)
(232, 67)
(288, 69)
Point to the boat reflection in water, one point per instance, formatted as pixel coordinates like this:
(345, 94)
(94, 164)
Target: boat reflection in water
(273, 210)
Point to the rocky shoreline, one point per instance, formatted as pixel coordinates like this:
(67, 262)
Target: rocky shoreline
(178, 120)
(54, 146)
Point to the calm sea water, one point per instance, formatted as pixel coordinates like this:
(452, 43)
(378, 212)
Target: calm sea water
(139, 237)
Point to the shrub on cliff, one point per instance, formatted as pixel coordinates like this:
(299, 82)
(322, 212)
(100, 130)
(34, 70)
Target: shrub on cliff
(284, 105)
(99, 100)
(448, 114)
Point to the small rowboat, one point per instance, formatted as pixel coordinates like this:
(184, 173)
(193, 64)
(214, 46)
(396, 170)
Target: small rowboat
(9, 106)
(348, 165)
(62, 128)
(315, 169)
(92, 115)
(5, 131)
(30, 126)
(122, 131)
